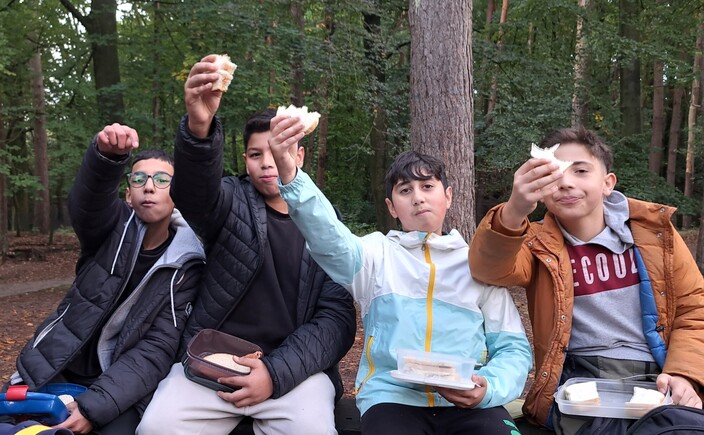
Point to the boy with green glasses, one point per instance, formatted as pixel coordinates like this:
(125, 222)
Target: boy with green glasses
(117, 330)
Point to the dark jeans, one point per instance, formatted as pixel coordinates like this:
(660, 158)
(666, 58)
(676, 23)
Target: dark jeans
(125, 423)
(390, 418)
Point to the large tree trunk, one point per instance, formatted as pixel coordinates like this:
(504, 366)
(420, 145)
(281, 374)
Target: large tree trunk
(441, 98)
(629, 69)
(42, 204)
(692, 122)
(101, 26)
(581, 71)
(674, 136)
(658, 122)
(379, 158)
(493, 92)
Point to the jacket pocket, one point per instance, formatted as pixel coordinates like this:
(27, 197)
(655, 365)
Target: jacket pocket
(44, 332)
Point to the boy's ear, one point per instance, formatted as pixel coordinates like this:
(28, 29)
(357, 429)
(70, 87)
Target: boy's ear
(128, 196)
(392, 209)
(448, 196)
(609, 183)
(300, 156)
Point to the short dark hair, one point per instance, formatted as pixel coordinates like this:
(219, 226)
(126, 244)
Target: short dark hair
(155, 153)
(582, 136)
(257, 123)
(411, 165)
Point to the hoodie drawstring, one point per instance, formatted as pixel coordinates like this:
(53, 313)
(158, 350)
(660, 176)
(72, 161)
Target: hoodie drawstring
(173, 307)
(122, 239)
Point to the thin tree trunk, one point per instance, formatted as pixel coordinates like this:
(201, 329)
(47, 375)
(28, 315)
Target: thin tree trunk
(658, 122)
(490, 9)
(629, 11)
(581, 62)
(379, 158)
(329, 24)
(493, 93)
(40, 141)
(674, 137)
(298, 54)
(156, 82)
(692, 122)
(441, 98)
(4, 218)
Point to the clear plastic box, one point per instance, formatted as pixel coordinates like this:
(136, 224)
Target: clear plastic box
(613, 397)
(432, 368)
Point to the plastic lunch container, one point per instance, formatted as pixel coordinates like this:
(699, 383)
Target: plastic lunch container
(43, 405)
(209, 341)
(433, 368)
(613, 395)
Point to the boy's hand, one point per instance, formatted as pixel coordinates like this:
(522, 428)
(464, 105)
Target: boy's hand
(201, 102)
(286, 131)
(255, 387)
(75, 422)
(465, 398)
(681, 390)
(117, 140)
(533, 181)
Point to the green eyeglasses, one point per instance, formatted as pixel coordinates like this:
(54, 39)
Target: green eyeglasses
(139, 179)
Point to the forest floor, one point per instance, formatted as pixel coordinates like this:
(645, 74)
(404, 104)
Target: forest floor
(35, 277)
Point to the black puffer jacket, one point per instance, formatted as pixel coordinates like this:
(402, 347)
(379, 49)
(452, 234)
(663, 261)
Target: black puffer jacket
(146, 340)
(229, 215)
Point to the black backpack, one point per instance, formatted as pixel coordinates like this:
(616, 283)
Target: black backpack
(670, 420)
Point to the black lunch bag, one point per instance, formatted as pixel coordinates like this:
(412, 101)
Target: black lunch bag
(670, 420)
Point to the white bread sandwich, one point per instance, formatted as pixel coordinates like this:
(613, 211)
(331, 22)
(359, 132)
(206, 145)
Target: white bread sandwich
(226, 69)
(549, 153)
(225, 360)
(430, 369)
(309, 119)
(582, 392)
(646, 396)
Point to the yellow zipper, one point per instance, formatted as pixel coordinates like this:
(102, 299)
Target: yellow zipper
(429, 312)
(371, 364)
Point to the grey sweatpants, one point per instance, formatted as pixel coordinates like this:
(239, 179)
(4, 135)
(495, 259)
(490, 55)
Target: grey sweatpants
(181, 406)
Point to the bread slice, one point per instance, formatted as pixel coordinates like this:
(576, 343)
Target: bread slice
(431, 369)
(646, 396)
(549, 153)
(310, 119)
(582, 392)
(225, 360)
(226, 69)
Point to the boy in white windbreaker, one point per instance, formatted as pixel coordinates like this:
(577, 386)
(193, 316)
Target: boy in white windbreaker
(415, 291)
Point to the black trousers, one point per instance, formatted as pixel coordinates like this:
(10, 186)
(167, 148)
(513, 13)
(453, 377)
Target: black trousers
(390, 418)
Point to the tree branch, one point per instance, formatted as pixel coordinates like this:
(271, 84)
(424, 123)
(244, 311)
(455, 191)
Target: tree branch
(75, 12)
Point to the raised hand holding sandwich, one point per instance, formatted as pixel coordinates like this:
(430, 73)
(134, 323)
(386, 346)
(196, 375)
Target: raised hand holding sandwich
(202, 102)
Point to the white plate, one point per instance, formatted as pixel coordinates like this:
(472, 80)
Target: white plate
(428, 380)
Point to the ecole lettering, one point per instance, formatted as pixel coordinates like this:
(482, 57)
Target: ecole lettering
(596, 269)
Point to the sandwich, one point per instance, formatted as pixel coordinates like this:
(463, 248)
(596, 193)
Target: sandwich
(646, 396)
(309, 119)
(225, 360)
(549, 153)
(430, 369)
(225, 69)
(583, 392)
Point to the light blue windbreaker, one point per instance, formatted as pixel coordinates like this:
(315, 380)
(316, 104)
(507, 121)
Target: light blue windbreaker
(414, 291)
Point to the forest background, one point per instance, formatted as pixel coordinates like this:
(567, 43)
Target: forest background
(475, 82)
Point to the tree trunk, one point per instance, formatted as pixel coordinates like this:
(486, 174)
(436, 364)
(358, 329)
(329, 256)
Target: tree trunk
(441, 98)
(298, 55)
(379, 158)
(482, 101)
(157, 37)
(101, 27)
(692, 122)
(4, 218)
(329, 24)
(658, 122)
(493, 93)
(581, 70)
(629, 69)
(674, 137)
(42, 204)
